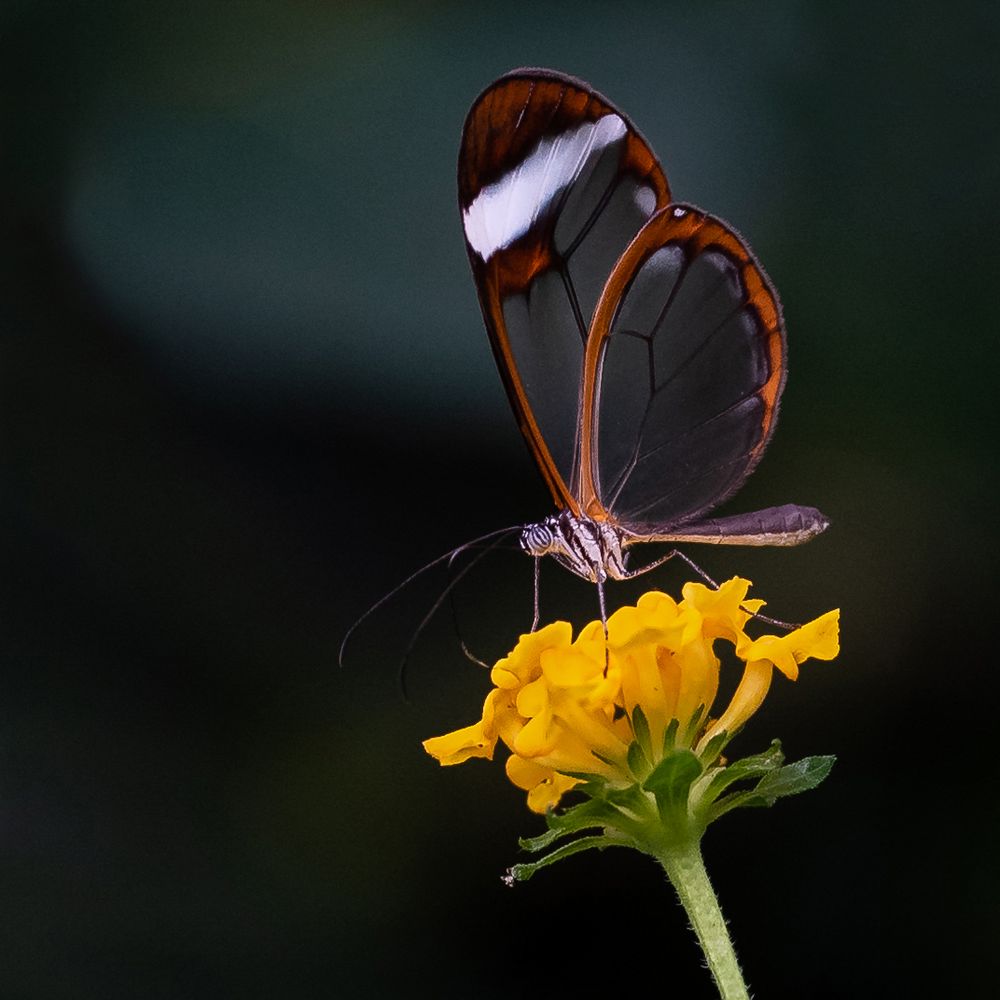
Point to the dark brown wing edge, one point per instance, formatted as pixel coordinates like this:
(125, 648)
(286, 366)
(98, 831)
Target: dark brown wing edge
(502, 126)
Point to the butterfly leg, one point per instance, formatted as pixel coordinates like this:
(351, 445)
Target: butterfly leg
(538, 580)
(603, 607)
(604, 621)
(788, 626)
(675, 552)
(632, 574)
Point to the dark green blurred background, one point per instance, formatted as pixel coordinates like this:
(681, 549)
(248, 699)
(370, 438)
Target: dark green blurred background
(247, 390)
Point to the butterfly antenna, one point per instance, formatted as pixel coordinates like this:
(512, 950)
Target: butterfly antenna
(466, 652)
(471, 657)
(413, 576)
(444, 595)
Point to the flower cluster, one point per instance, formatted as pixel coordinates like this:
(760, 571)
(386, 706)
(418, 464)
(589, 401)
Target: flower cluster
(609, 711)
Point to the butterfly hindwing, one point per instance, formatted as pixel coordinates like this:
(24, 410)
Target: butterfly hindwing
(685, 366)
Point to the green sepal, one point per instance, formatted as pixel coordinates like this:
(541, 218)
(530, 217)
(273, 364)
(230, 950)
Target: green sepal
(598, 812)
(593, 812)
(754, 766)
(670, 782)
(564, 824)
(591, 785)
(669, 737)
(640, 726)
(713, 748)
(542, 841)
(522, 872)
(694, 724)
(638, 760)
(795, 778)
(792, 779)
(631, 798)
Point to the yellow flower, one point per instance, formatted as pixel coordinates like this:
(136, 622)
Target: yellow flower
(570, 709)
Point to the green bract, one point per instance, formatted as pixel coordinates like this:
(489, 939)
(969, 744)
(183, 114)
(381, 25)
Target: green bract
(669, 805)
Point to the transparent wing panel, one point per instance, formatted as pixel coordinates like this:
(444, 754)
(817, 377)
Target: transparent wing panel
(545, 342)
(690, 373)
(547, 322)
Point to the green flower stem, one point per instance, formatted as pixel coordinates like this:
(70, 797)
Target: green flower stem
(686, 871)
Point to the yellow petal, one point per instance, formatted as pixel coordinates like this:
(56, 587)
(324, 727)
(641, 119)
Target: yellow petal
(749, 694)
(525, 773)
(581, 676)
(657, 608)
(699, 680)
(544, 786)
(533, 698)
(625, 624)
(547, 793)
(821, 636)
(569, 668)
(504, 678)
(720, 609)
(538, 736)
(494, 700)
(592, 645)
(505, 720)
(642, 685)
(461, 745)
(722, 603)
(521, 663)
(655, 618)
(653, 612)
(818, 639)
(593, 730)
(669, 669)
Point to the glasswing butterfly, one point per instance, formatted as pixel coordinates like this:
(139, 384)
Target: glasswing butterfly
(640, 342)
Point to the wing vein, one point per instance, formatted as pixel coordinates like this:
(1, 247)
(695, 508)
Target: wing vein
(592, 218)
(702, 474)
(637, 456)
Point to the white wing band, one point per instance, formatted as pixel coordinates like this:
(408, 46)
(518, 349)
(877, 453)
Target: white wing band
(505, 210)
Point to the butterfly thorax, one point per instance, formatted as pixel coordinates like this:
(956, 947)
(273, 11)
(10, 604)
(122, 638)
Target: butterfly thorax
(591, 549)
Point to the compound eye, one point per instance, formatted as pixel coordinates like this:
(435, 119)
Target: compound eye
(537, 539)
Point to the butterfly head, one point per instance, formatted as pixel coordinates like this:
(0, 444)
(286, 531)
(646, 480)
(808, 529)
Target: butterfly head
(591, 549)
(540, 539)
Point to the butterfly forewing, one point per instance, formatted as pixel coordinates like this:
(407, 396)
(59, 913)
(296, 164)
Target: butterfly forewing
(554, 184)
(685, 364)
